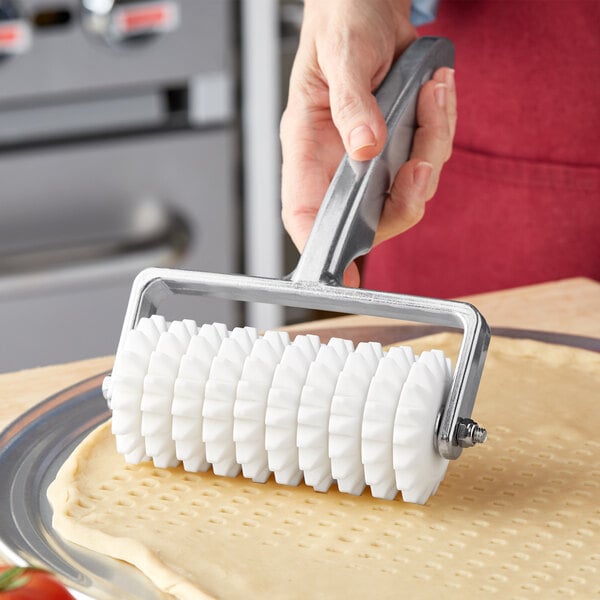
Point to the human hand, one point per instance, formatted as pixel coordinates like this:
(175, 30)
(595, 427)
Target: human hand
(346, 48)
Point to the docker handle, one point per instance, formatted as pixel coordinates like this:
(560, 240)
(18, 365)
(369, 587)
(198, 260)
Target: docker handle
(347, 220)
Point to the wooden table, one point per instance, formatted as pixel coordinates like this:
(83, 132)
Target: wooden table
(568, 306)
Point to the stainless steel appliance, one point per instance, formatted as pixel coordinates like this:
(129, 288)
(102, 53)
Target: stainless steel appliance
(118, 150)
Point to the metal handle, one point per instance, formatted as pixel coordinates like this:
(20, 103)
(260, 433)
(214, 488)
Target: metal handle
(347, 220)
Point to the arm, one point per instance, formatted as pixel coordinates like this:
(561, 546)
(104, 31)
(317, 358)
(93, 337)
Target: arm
(346, 48)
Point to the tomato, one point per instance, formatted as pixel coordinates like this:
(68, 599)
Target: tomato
(27, 583)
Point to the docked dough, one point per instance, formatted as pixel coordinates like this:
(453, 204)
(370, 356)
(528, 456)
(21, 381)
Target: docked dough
(517, 516)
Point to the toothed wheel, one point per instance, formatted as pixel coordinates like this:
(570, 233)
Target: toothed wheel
(220, 391)
(188, 396)
(345, 422)
(251, 404)
(158, 392)
(126, 387)
(281, 417)
(418, 467)
(314, 411)
(378, 421)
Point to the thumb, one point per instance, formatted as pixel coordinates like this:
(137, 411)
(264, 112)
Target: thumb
(355, 112)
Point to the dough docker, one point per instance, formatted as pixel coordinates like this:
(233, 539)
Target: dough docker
(241, 401)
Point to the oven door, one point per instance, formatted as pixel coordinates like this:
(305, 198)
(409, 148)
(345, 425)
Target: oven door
(79, 221)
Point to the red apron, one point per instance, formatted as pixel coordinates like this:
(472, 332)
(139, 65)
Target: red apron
(519, 201)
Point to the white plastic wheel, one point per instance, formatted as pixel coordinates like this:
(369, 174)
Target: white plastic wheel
(158, 392)
(345, 421)
(378, 421)
(188, 396)
(251, 404)
(418, 467)
(314, 411)
(281, 417)
(220, 391)
(126, 387)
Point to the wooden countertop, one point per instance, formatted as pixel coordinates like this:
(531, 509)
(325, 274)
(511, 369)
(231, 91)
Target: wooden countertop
(568, 306)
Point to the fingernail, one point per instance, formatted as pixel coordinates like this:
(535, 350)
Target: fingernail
(450, 79)
(440, 94)
(361, 137)
(422, 175)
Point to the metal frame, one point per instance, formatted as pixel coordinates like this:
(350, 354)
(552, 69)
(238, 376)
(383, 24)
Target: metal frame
(454, 429)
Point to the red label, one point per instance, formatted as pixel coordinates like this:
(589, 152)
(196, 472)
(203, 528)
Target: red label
(146, 18)
(9, 34)
(14, 36)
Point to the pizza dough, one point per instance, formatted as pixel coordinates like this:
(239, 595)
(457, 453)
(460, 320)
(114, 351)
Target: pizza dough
(516, 517)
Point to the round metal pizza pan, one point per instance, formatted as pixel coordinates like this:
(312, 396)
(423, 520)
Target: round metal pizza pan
(32, 450)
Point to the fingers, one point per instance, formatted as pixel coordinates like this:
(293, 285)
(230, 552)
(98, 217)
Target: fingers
(326, 115)
(446, 75)
(355, 111)
(354, 54)
(436, 117)
(311, 151)
(352, 276)
(405, 205)
(417, 180)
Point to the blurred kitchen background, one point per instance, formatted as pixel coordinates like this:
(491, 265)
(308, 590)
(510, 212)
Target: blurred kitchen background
(134, 134)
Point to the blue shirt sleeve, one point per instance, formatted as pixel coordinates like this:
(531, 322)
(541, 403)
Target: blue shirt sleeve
(423, 11)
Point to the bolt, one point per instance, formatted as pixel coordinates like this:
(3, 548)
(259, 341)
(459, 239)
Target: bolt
(479, 435)
(468, 433)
